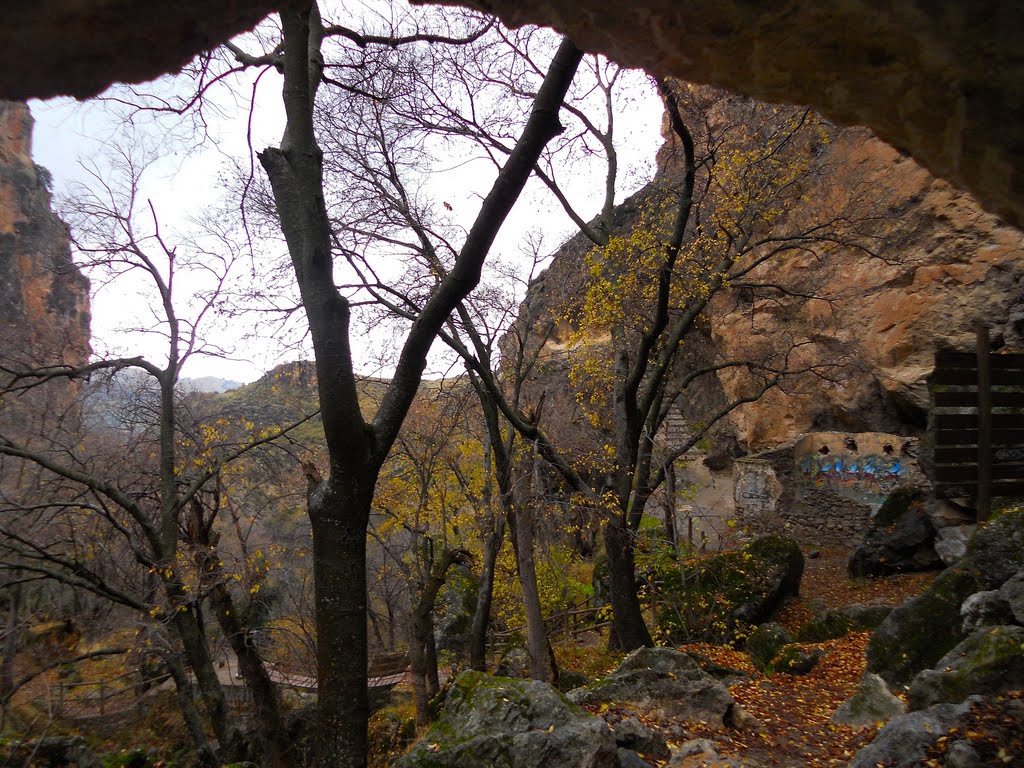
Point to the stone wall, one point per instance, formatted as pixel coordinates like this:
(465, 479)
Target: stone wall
(822, 488)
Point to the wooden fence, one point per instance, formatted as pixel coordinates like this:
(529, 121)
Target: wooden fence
(978, 403)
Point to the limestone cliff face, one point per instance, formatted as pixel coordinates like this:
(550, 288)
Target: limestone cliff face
(939, 265)
(931, 264)
(44, 299)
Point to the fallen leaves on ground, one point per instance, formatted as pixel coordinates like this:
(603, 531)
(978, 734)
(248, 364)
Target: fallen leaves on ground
(994, 729)
(825, 579)
(795, 711)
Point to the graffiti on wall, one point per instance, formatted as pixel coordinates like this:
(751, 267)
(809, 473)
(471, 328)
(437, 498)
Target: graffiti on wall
(871, 473)
(755, 488)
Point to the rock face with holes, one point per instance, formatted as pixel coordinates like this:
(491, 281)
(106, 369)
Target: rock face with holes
(872, 317)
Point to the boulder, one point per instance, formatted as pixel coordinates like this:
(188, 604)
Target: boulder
(631, 734)
(900, 538)
(630, 759)
(796, 660)
(918, 633)
(765, 642)
(962, 755)
(721, 598)
(872, 703)
(65, 750)
(493, 721)
(990, 661)
(985, 609)
(828, 626)
(514, 662)
(661, 679)
(693, 747)
(905, 741)
(866, 617)
(951, 542)
(1012, 592)
(921, 631)
(996, 551)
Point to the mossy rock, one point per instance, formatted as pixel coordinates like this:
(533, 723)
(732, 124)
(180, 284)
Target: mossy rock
(765, 642)
(990, 661)
(495, 721)
(827, 626)
(719, 599)
(896, 504)
(995, 552)
(390, 732)
(922, 630)
(794, 659)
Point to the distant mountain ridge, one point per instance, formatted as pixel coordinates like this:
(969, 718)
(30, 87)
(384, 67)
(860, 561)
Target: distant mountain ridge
(210, 384)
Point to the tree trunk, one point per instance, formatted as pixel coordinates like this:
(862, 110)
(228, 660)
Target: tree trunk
(430, 651)
(629, 631)
(541, 666)
(418, 670)
(197, 653)
(265, 698)
(194, 723)
(339, 567)
(11, 637)
(671, 531)
(482, 615)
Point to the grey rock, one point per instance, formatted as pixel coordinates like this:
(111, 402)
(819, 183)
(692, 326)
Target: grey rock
(764, 643)
(489, 721)
(989, 661)
(905, 741)
(630, 759)
(796, 660)
(871, 703)
(514, 662)
(632, 734)
(900, 538)
(665, 680)
(694, 747)
(62, 750)
(922, 630)
(985, 609)
(996, 551)
(1012, 592)
(951, 542)
(866, 616)
(962, 755)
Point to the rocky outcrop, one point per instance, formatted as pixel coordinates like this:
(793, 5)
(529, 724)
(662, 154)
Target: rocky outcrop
(930, 264)
(989, 661)
(489, 721)
(44, 299)
(899, 540)
(905, 741)
(663, 680)
(919, 633)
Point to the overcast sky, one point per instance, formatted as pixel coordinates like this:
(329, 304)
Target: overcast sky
(184, 182)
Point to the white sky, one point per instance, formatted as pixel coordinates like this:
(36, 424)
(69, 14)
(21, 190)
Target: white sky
(184, 183)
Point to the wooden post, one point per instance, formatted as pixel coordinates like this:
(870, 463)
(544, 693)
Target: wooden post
(984, 499)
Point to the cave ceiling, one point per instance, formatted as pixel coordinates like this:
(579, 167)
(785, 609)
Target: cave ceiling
(940, 79)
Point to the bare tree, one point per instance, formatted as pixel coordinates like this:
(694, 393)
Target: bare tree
(132, 496)
(339, 504)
